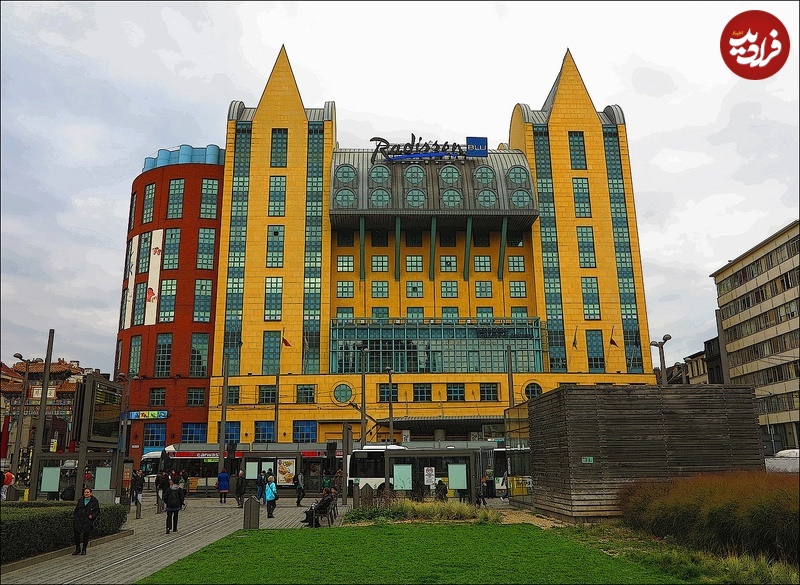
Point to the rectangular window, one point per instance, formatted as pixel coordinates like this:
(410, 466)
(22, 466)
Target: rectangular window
(485, 315)
(489, 392)
(195, 432)
(277, 197)
(483, 289)
(123, 308)
(414, 289)
(345, 289)
(413, 239)
(595, 352)
(449, 289)
(422, 393)
(198, 360)
(144, 252)
(304, 431)
(345, 239)
(139, 299)
(345, 263)
(345, 314)
(273, 298)
(415, 314)
(270, 353)
(517, 289)
(591, 298)
(381, 314)
(380, 289)
(305, 393)
(383, 392)
(166, 301)
(233, 395)
(205, 248)
(380, 238)
(163, 355)
(154, 435)
(280, 147)
(264, 431)
(172, 245)
(514, 240)
(447, 239)
(450, 314)
(275, 246)
(202, 301)
(482, 263)
(455, 392)
(134, 359)
(196, 397)
(577, 151)
(448, 264)
(519, 314)
(233, 431)
(480, 239)
(208, 199)
(131, 218)
(516, 263)
(147, 204)
(175, 199)
(266, 394)
(413, 263)
(129, 259)
(158, 397)
(586, 255)
(380, 264)
(580, 193)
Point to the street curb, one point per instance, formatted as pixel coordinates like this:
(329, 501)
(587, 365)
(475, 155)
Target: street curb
(22, 563)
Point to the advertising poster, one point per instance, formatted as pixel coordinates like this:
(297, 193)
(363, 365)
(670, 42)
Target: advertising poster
(284, 475)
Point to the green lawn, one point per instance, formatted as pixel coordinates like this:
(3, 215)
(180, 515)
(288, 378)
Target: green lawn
(405, 553)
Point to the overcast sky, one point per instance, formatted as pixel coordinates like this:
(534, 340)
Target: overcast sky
(91, 89)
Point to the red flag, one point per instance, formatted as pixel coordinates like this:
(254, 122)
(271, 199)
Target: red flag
(612, 342)
(285, 342)
(575, 339)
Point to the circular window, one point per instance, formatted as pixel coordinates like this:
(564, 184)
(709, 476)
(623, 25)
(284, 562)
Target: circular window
(345, 174)
(518, 175)
(345, 198)
(380, 198)
(487, 198)
(342, 393)
(449, 174)
(521, 198)
(380, 174)
(415, 197)
(415, 174)
(533, 390)
(484, 175)
(451, 197)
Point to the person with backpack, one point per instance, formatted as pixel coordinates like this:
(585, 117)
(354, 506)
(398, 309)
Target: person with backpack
(173, 500)
(86, 512)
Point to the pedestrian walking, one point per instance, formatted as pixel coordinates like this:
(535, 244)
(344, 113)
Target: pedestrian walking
(173, 500)
(241, 487)
(86, 512)
(8, 479)
(504, 485)
(223, 485)
(480, 494)
(162, 485)
(137, 487)
(271, 495)
(261, 483)
(300, 486)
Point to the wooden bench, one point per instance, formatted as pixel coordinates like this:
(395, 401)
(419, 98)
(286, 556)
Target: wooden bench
(329, 515)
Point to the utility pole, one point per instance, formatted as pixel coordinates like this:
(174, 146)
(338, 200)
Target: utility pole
(222, 421)
(37, 443)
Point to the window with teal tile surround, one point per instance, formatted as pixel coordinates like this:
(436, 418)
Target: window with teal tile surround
(163, 360)
(208, 199)
(172, 246)
(381, 314)
(586, 256)
(580, 193)
(277, 197)
(139, 298)
(144, 252)
(413, 263)
(345, 289)
(345, 313)
(270, 352)
(275, 246)
(273, 298)
(415, 314)
(166, 300)
(591, 298)
(380, 289)
(205, 248)
(516, 263)
(202, 301)
(519, 314)
(175, 199)
(595, 352)
(450, 314)
(414, 289)
(345, 263)
(517, 289)
(135, 355)
(280, 147)
(577, 151)
(484, 314)
(380, 263)
(147, 204)
(448, 264)
(449, 289)
(482, 263)
(198, 360)
(483, 289)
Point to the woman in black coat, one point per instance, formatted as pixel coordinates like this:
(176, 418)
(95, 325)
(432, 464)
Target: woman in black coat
(86, 512)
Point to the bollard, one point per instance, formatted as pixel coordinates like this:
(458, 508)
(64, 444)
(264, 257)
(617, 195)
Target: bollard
(252, 511)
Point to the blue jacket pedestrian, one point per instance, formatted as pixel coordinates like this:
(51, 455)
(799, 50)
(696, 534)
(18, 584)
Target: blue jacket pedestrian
(223, 484)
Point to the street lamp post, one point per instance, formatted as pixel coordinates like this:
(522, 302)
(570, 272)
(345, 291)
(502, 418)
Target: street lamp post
(391, 412)
(21, 415)
(123, 427)
(769, 426)
(363, 349)
(223, 420)
(660, 346)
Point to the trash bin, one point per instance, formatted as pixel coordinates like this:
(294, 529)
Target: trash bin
(252, 510)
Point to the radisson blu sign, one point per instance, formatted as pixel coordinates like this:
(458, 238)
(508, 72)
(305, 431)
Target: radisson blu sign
(417, 149)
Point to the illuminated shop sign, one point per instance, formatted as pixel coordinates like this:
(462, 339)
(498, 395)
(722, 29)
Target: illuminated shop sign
(416, 148)
(147, 414)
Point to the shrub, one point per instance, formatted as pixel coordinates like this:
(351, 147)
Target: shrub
(31, 528)
(400, 510)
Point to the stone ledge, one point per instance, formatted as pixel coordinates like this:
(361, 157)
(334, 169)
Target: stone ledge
(22, 563)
